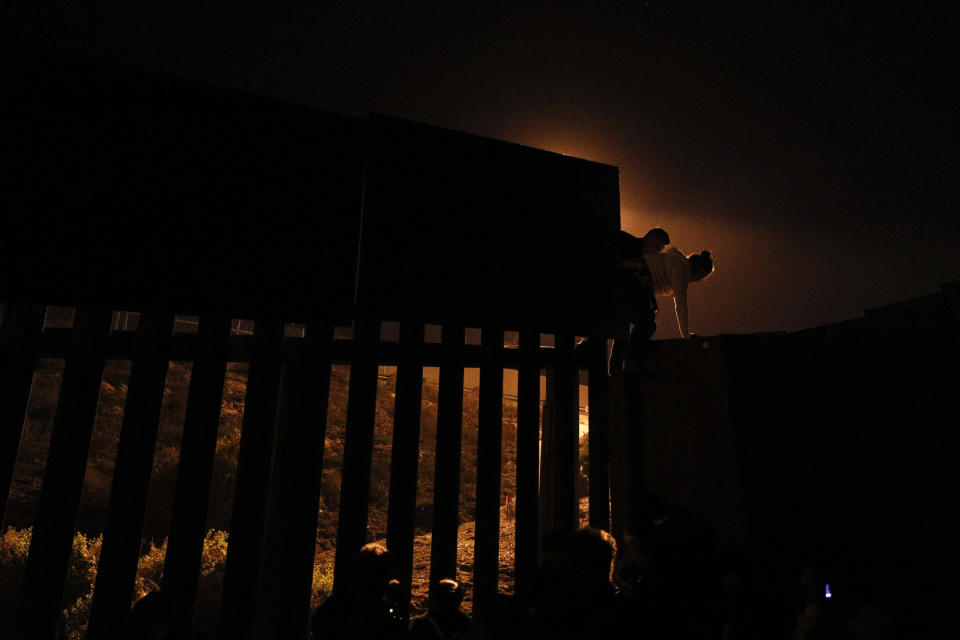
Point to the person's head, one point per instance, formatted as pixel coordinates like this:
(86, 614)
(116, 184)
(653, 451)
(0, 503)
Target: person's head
(394, 597)
(655, 240)
(372, 569)
(701, 265)
(446, 595)
(592, 552)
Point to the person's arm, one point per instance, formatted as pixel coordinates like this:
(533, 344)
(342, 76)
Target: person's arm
(680, 282)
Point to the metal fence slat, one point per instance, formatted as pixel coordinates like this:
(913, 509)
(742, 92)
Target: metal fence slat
(446, 491)
(19, 344)
(122, 533)
(528, 463)
(357, 450)
(52, 539)
(195, 470)
(558, 500)
(238, 612)
(292, 536)
(405, 457)
(489, 444)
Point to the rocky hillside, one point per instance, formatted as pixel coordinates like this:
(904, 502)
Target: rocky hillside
(96, 490)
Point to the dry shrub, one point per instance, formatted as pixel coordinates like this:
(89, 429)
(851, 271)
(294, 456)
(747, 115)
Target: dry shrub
(82, 576)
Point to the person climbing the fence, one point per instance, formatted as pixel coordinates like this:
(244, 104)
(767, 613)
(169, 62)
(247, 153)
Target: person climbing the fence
(643, 275)
(671, 273)
(631, 247)
(632, 290)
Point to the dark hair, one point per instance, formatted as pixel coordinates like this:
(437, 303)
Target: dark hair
(702, 261)
(372, 565)
(657, 232)
(592, 553)
(446, 594)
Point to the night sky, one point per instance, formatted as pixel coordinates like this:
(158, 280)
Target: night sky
(809, 148)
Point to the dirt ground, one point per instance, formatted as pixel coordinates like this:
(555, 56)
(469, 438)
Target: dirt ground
(421, 560)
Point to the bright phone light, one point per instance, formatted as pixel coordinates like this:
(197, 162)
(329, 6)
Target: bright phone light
(827, 593)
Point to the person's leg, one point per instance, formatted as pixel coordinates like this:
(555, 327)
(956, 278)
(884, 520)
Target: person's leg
(621, 341)
(623, 289)
(640, 341)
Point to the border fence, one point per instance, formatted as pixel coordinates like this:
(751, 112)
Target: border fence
(63, 318)
(382, 220)
(279, 466)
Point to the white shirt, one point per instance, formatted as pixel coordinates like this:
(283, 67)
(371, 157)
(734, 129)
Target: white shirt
(670, 273)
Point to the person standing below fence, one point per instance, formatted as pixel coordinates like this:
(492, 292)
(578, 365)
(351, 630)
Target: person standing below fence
(584, 604)
(359, 611)
(444, 620)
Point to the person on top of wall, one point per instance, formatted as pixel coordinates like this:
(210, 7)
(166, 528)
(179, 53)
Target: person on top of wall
(671, 273)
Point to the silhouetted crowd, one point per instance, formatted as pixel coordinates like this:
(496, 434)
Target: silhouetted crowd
(669, 580)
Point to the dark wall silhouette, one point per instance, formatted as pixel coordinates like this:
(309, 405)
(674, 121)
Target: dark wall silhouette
(839, 436)
(459, 227)
(136, 190)
(131, 188)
